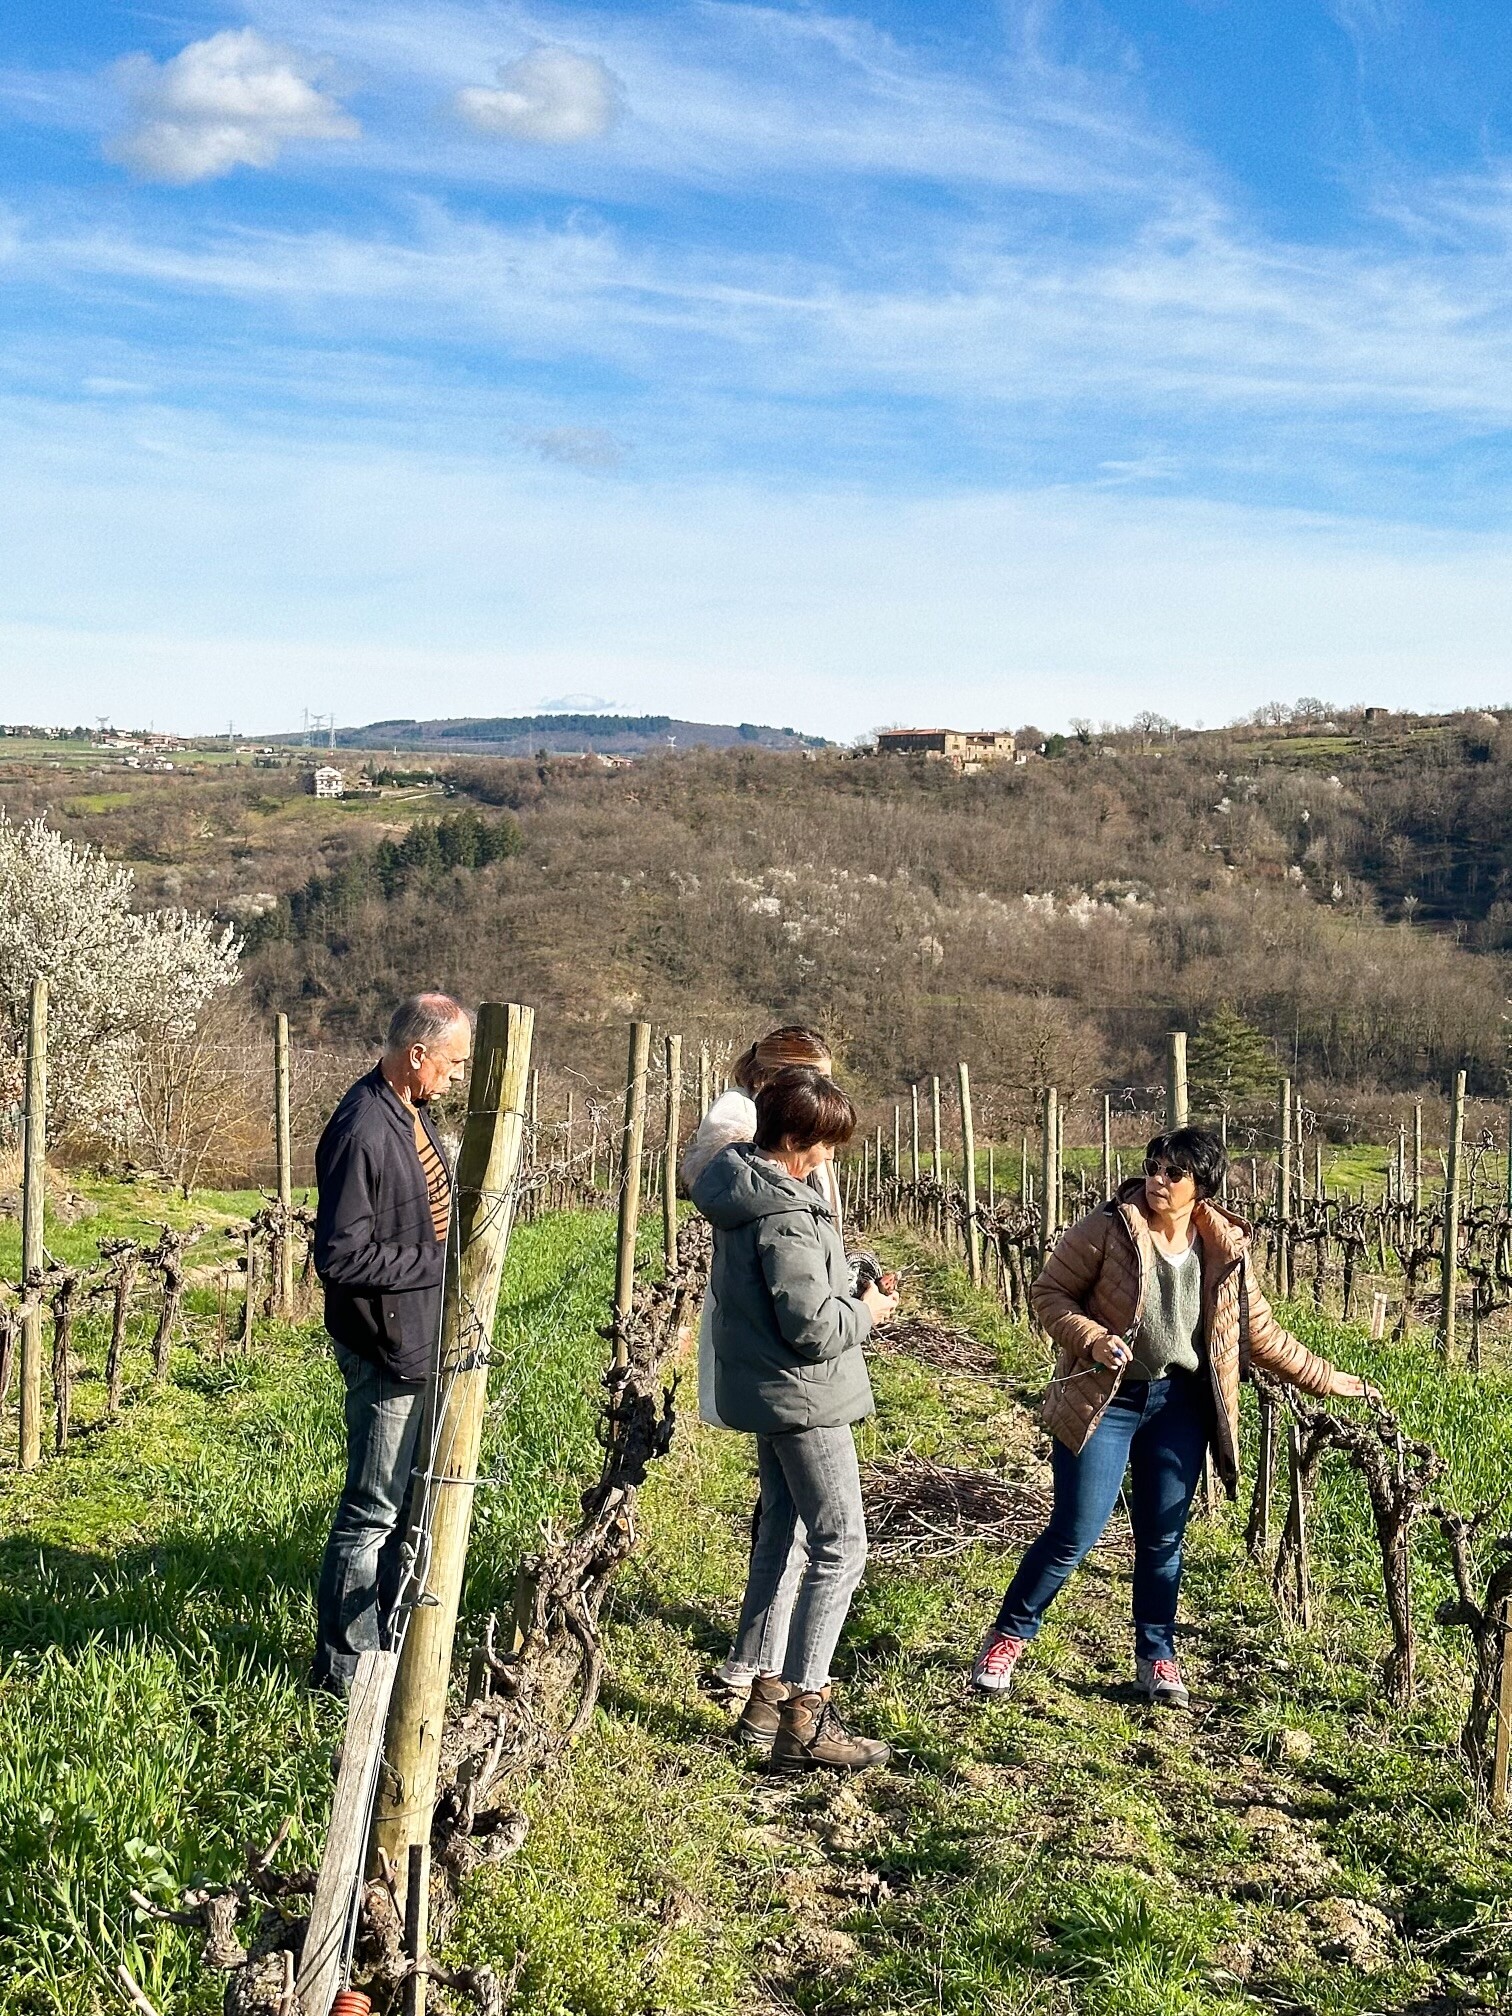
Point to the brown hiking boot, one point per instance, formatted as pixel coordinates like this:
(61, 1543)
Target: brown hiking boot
(811, 1737)
(763, 1711)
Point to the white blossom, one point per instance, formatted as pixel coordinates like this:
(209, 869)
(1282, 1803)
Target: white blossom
(116, 976)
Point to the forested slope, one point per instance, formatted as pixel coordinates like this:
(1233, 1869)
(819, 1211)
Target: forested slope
(1348, 893)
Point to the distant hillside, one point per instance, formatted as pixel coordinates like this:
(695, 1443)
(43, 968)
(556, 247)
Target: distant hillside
(608, 734)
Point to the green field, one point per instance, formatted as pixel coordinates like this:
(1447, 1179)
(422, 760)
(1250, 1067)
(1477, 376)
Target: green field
(1295, 1844)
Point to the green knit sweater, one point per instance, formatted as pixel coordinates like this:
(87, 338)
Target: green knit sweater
(1169, 1336)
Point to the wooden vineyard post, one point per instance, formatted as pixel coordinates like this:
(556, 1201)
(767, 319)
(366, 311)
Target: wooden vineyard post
(1107, 1146)
(1417, 1169)
(567, 1139)
(488, 1165)
(913, 1136)
(324, 1950)
(632, 1136)
(1048, 1182)
(669, 1171)
(1060, 1162)
(1176, 1079)
(1265, 1479)
(897, 1162)
(1283, 1190)
(937, 1160)
(1024, 1166)
(1300, 1596)
(705, 1080)
(285, 1168)
(1449, 1283)
(33, 1206)
(1379, 1306)
(968, 1154)
(1501, 1749)
(1223, 1181)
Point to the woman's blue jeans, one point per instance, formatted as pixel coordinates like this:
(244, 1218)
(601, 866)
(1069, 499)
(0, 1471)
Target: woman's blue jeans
(1157, 1430)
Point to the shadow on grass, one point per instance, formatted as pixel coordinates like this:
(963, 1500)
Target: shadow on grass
(186, 1591)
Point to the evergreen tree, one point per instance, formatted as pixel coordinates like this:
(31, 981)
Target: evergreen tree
(1230, 1064)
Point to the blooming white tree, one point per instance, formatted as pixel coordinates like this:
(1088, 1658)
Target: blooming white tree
(118, 979)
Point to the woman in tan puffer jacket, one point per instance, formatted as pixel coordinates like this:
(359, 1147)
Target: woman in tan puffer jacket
(1154, 1311)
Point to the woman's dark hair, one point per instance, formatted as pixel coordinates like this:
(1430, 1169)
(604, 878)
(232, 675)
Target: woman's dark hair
(1192, 1151)
(801, 1107)
(775, 1052)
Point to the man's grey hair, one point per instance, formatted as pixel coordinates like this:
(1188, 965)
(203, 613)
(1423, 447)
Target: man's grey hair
(423, 1018)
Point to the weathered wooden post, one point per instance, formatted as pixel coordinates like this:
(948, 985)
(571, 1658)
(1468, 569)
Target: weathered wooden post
(1266, 1480)
(1449, 1281)
(705, 1080)
(937, 1160)
(1417, 1168)
(632, 1137)
(1284, 1190)
(285, 1167)
(669, 1172)
(1501, 1747)
(568, 1143)
(1049, 1184)
(33, 1206)
(1107, 1145)
(897, 1166)
(1176, 1079)
(488, 1164)
(991, 1180)
(913, 1136)
(1060, 1161)
(1300, 1595)
(968, 1156)
(1024, 1167)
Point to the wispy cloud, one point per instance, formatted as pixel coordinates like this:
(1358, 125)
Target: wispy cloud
(593, 449)
(553, 96)
(233, 100)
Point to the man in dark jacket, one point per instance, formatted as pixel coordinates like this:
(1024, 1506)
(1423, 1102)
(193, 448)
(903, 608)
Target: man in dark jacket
(380, 1251)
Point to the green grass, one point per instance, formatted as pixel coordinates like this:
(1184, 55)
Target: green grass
(156, 1615)
(100, 1208)
(1295, 1844)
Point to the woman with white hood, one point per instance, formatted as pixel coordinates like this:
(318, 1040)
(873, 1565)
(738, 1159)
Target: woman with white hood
(732, 1118)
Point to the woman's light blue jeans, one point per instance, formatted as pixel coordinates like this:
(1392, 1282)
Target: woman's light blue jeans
(1158, 1431)
(812, 1520)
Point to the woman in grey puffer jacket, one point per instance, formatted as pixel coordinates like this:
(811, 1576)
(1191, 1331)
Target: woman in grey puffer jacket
(789, 1370)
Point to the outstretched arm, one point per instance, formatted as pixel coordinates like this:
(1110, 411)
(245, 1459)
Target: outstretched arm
(1276, 1351)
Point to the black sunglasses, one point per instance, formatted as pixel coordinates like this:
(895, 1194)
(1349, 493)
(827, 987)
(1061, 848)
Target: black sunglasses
(1154, 1167)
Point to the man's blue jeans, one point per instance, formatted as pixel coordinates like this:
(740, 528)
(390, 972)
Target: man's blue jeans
(359, 1577)
(1157, 1430)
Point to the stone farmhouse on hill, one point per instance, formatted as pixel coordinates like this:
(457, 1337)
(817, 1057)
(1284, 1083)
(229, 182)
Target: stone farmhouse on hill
(965, 750)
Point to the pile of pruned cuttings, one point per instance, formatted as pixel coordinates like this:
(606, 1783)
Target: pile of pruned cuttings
(917, 1510)
(938, 1346)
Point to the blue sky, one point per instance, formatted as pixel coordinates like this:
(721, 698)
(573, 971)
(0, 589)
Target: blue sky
(754, 362)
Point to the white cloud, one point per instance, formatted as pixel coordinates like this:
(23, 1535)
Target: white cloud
(234, 100)
(556, 96)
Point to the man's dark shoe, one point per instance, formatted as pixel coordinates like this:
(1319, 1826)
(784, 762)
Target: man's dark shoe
(811, 1737)
(763, 1711)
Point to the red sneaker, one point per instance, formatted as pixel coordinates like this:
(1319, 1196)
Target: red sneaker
(993, 1671)
(1161, 1680)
